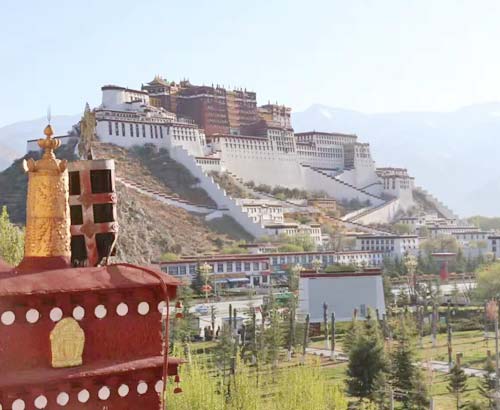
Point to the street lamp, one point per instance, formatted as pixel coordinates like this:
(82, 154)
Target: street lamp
(411, 264)
(294, 277)
(492, 314)
(205, 270)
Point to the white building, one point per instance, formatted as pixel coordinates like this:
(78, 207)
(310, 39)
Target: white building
(126, 118)
(494, 245)
(342, 292)
(266, 152)
(262, 211)
(293, 229)
(395, 246)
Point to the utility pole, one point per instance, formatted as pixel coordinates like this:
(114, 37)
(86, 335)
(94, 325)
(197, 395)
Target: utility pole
(325, 323)
(333, 336)
(212, 319)
(254, 337)
(435, 318)
(291, 338)
(306, 338)
(448, 331)
(492, 314)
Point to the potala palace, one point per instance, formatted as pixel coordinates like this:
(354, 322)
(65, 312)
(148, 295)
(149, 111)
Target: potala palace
(210, 128)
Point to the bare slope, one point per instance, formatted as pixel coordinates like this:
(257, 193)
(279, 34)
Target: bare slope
(148, 228)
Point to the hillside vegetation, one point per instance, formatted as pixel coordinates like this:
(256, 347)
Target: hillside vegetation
(148, 228)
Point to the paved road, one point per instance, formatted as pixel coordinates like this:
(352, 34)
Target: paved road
(222, 310)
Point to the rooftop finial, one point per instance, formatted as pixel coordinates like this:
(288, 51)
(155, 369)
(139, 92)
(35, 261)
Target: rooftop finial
(47, 209)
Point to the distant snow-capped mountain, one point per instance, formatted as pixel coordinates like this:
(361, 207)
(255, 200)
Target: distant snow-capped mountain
(453, 155)
(13, 137)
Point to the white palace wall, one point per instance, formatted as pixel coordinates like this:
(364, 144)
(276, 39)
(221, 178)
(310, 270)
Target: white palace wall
(215, 192)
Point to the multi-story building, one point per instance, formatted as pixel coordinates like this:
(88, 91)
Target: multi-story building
(294, 228)
(254, 269)
(126, 118)
(494, 245)
(396, 246)
(277, 115)
(262, 211)
(397, 183)
(257, 144)
(453, 230)
(325, 150)
(214, 108)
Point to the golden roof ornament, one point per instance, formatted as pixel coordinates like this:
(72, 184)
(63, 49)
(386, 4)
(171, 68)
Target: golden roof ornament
(47, 207)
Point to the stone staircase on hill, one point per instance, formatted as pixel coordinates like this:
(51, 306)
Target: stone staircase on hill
(436, 203)
(355, 192)
(356, 225)
(263, 195)
(388, 206)
(347, 223)
(217, 194)
(172, 200)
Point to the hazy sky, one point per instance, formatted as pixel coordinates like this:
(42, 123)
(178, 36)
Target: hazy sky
(372, 56)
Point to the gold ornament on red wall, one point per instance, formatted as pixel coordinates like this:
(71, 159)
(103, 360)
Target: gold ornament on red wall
(67, 341)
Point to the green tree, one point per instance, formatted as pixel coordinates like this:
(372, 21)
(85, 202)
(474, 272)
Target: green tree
(442, 243)
(11, 240)
(405, 375)
(184, 328)
(487, 385)
(366, 359)
(290, 247)
(169, 257)
(457, 384)
(488, 282)
(273, 337)
(401, 229)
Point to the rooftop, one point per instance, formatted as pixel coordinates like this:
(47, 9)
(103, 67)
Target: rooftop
(72, 280)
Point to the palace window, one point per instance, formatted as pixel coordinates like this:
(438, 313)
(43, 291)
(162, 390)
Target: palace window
(110, 127)
(123, 129)
(220, 267)
(143, 131)
(131, 130)
(137, 130)
(117, 131)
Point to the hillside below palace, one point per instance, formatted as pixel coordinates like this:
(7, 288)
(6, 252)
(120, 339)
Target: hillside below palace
(226, 131)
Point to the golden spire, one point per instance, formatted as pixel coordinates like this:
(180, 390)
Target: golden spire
(47, 207)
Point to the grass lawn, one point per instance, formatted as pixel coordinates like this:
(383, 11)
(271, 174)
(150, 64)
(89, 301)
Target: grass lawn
(470, 343)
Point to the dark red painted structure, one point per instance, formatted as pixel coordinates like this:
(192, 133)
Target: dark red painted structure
(117, 309)
(92, 200)
(122, 348)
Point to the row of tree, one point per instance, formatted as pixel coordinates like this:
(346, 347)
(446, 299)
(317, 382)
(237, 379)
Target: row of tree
(11, 239)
